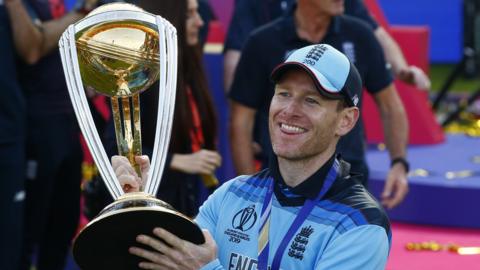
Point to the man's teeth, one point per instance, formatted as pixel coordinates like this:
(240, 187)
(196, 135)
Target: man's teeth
(292, 128)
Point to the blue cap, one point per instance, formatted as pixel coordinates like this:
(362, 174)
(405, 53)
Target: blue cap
(334, 75)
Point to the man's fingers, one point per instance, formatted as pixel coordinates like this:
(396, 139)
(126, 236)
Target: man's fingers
(128, 182)
(387, 190)
(152, 242)
(420, 78)
(401, 191)
(125, 169)
(118, 160)
(149, 265)
(156, 260)
(169, 238)
(143, 162)
(165, 256)
(149, 255)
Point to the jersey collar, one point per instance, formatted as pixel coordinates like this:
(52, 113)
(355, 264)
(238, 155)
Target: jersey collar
(307, 189)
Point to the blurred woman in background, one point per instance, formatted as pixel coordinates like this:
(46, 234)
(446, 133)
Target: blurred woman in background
(192, 156)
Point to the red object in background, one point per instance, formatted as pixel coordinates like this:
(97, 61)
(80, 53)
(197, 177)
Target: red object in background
(216, 32)
(57, 8)
(101, 106)
(414, 42)
(223, 10)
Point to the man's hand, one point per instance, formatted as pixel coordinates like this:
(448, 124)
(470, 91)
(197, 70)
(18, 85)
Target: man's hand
(415, 76)
(172, 252)
(126, 175)
(396, 186)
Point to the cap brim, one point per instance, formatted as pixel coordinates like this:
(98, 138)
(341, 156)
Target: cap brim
(323, 85)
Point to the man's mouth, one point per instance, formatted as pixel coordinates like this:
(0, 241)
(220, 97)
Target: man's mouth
(291, 128)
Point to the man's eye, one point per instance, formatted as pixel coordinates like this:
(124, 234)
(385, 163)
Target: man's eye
(283, 94)
(311, 101)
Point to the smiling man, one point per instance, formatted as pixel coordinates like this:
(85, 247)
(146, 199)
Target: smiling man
(306, 211)
(313, 22)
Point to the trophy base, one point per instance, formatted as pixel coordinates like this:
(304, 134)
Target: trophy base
(104, 242)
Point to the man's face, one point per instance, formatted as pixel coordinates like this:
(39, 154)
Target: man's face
(330, 7)
(302, 123)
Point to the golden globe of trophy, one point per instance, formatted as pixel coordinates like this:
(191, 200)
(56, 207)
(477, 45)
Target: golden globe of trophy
(119, 50)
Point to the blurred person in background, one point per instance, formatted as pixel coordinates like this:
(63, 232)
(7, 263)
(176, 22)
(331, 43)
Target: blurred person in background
(310, 22)
(12, 147)
(206, 13)
(54, 154)
(251, 14)
(192, 157)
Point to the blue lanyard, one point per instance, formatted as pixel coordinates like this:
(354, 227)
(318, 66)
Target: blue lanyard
(301, 217)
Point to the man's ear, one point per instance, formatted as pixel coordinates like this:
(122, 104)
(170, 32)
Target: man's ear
(347, 120)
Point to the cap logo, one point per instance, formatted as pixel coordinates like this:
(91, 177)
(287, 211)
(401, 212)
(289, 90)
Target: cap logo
(355, 100)
(315, 54)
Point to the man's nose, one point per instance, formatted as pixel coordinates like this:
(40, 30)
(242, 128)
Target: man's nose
(293, 107)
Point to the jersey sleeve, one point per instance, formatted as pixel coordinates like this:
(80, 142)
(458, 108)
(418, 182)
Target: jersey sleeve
(364, 247)
(208, 216)
(213, 265)
(356, 8)
(242, 24)
(251, 81)
(208, 213)
(379, 74)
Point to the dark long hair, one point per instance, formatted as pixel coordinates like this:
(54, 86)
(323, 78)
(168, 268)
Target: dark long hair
(190, 74)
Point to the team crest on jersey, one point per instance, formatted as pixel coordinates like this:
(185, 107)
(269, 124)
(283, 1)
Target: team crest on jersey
(349, 50)
(300, 242)
(242, 222)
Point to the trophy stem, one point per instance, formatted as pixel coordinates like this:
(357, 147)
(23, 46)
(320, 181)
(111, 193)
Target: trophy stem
(137, 135)
(128, 141)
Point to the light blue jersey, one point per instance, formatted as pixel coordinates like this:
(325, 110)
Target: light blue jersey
(346, 230)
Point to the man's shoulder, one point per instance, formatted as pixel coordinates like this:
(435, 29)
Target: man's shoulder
(353, 26)
(247, 184)
(258, 180)
(232, 197)
(349, 21)
(357, 205)
(270, 30)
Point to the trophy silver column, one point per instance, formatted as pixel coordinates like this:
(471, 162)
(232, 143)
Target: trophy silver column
(119, 50)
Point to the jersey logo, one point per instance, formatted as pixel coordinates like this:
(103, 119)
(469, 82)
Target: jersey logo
(299, 244)
(349, 51)
(242, 221)
(245, 219)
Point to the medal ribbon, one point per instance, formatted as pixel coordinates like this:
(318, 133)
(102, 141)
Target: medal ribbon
(263, 238)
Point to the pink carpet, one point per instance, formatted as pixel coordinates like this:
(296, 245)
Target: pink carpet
(401, 259)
